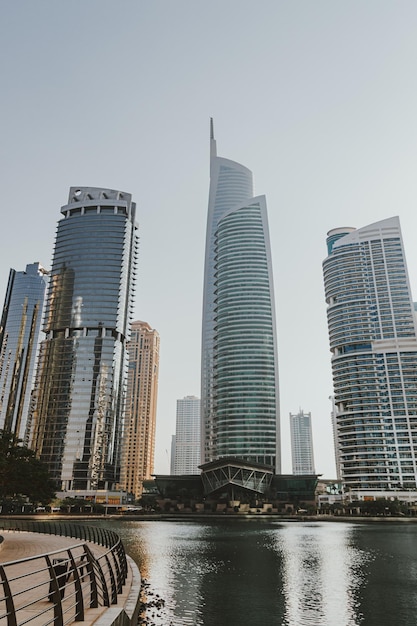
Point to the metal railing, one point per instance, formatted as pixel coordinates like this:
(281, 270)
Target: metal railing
(57, 587)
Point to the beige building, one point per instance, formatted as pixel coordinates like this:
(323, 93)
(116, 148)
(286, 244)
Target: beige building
(141, 399)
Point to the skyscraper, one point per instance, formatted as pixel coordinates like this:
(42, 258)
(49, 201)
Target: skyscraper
(239, 387)
(187, 436)
(78, 419)
(301, 443)
(372, 332)
(19, 342)
(141, 401)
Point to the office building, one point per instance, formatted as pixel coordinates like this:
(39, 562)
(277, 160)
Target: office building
(301, 443)
(239, 386)
(20, 334)
(335, 439)
(372, 332)
(186, 456)
(172, 459)
(81, 381)
(141, 402)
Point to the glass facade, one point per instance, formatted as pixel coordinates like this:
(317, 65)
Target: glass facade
(372, 332)
(301, 443)
(240, 412)
(78, 417)
(20, 334)
(186, 447)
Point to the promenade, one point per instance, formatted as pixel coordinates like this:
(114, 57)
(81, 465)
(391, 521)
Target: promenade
(30, 582)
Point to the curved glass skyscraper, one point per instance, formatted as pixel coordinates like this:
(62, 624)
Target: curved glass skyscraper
(240, 405)
(372, 332)
(78, 420)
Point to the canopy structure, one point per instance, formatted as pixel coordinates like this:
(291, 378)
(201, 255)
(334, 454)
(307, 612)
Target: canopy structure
(233, 472)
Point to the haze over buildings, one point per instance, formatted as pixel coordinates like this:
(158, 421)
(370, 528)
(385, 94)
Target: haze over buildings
(239, 367)
(314, 97)
(373, 341)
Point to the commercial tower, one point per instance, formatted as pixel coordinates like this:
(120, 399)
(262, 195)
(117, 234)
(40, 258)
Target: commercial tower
(239, 387)
(301, 443)
(141, 401)
(186, 457)
(19, 341)
(81, 382)
(372, 332)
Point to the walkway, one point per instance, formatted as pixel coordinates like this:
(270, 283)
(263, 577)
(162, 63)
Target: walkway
(32, 580)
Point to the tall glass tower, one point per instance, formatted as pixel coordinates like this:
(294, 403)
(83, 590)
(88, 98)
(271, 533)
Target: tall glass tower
(81, 383)
(186, 458)
(372, 332)
(301, 443)
(20, 334)
(239, 387)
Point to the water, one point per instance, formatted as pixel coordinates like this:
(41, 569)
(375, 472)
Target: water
(266, 573)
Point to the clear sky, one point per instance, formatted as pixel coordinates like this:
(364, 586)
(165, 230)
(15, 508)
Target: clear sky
(318, 99)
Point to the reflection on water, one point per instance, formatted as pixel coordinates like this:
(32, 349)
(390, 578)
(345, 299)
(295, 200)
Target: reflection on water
(248, 573)
(322, 574)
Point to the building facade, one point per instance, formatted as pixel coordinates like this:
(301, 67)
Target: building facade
(141, 403)
(373, 342)
(239, 386)
(186, 456)
(20, 334)
(301, 443)
(81, 381)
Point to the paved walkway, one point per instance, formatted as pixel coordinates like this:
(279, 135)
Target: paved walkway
(29, 580)
(21, 544)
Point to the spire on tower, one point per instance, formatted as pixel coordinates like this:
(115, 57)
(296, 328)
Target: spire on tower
(213, 148)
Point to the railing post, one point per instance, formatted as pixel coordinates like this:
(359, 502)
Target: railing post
(94, 591)
(10, 608)
(79, 601)
(122, 559)
(56, 594)
(119, 582)
(112, 580)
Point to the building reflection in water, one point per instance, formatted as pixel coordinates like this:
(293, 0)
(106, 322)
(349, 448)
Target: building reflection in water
(321, 574)
(261, 572)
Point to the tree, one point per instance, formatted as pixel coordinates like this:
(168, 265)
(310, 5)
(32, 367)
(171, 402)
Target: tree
(21, 473)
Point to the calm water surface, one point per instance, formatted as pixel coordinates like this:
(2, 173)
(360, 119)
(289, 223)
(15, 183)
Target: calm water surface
(250, 573)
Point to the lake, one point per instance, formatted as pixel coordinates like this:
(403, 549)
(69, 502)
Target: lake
(237, 572)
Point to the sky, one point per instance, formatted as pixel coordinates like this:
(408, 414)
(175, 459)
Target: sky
(318, 99)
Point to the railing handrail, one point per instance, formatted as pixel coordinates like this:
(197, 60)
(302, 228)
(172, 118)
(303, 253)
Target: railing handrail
(94, 534)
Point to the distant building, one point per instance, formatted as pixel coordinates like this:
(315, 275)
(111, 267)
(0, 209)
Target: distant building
(20, 334)
(81, 381)
(373, 343)
(301, 443)
(335, 439)
(141, 401)
(186, 457)
(172, 463)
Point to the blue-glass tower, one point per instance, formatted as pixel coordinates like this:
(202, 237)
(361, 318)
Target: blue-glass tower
(20, 334)
(239, 387)
(78, 421)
